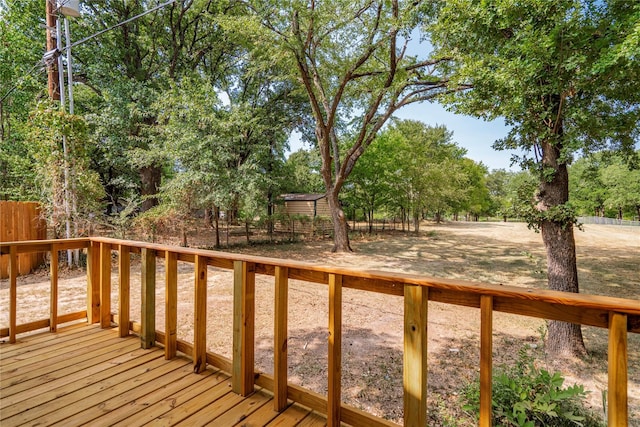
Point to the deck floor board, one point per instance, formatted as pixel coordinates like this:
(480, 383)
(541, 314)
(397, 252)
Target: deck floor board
(83, 375)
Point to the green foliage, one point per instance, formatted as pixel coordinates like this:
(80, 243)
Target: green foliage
(302, 173)
(541, 64)
(555, 70)
(69, 188)
(350, 59)
(525, 395)
(606, 184)
(416, 168)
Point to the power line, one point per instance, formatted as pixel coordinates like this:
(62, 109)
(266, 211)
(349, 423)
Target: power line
(79, 42)
(39, 63)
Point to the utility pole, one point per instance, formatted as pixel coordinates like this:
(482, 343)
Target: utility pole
(52, 69)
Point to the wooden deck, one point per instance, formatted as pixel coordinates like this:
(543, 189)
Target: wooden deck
(86, 375)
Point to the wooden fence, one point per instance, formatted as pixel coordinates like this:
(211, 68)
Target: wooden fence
(21, 221)
(619, 316)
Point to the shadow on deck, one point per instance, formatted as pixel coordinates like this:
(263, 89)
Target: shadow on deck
(86, 375)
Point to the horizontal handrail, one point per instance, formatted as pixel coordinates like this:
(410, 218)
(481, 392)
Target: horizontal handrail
(619, 315)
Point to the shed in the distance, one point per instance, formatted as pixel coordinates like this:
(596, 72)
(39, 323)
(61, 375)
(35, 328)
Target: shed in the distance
(311, 205)
(306, 214)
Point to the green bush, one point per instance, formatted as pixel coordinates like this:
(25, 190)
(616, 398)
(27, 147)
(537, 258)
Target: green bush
(527, 396)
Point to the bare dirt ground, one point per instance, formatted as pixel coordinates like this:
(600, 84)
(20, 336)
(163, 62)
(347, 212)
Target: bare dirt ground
(506, 253)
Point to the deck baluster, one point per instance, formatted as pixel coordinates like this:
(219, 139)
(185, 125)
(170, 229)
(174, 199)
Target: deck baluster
(617, 396)
(124, 287)
(415, 355)
(171, 303)
(13, 292)
(93, 282)
(334, 398)
(200, 316)
(486, 359)
(244, 284)
(148, 293)
(105, 285)
(280, 338)
(53, 295)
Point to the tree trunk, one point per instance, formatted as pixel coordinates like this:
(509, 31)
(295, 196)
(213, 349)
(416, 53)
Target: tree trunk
(150, 177)
(183, 230)
(208, 217)
(416, 222)
(340, 227)
(216, 221)
(270, 212)
(557, 235)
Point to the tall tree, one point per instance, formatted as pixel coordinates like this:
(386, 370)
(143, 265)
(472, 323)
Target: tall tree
(352, 60)
(302, 172)
(587, 192)
(372, 183)
(430, 168)
(477, 200)
(565, 75)
(22, 78)
(132, 66)
(623, 185)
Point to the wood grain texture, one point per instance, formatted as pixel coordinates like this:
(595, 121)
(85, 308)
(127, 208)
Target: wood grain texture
(486, 360)
(21, 221)
(334, 398)
(53, 294)
(244, 284)
(199, 355)
(105, 285)
(618, 411)
(280, 338)
(171, 301)
(124, 287)
(13, 292)
(148, 298)
(93, 282)
(415, 355)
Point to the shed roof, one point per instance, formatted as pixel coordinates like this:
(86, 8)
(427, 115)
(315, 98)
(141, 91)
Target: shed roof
(301, 197)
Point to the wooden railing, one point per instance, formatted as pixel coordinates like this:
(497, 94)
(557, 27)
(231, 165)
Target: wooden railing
(620, 316)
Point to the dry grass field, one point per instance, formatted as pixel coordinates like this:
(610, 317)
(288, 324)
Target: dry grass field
(499, 253)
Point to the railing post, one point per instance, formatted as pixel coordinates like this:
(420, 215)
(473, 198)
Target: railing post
(617, 395)
(53, 295)
(13, 292)
(335, 351)
(415, 355)
(93, 282)
(200, 316)
(243, 327)
(105, 285)
(171, 301)
(280, 338)
(124, 286)
(486, 360)
(148, 295)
